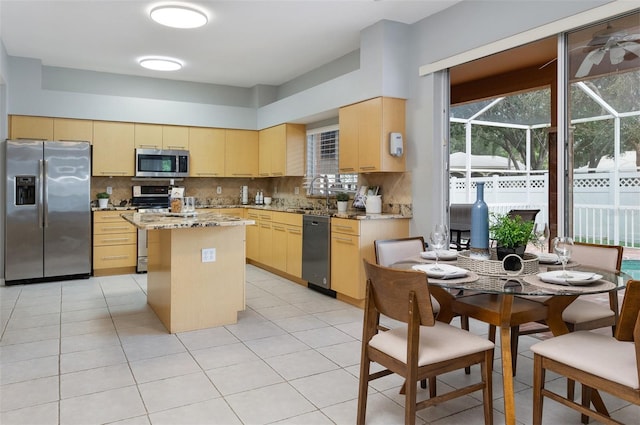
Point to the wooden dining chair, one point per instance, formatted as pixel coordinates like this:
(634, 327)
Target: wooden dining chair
(420, 348)
(583, 314)
(599, 362)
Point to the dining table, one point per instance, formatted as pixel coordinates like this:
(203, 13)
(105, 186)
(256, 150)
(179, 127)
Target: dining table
(509, 300)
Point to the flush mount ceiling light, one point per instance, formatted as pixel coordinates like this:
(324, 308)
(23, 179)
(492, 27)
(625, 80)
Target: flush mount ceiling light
(178, 16)
(160, 64)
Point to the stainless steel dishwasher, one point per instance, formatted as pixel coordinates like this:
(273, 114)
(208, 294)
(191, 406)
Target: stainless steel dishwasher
(316, 251)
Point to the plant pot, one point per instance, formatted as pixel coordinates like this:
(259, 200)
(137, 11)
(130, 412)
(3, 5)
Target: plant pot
(342, 206)
(103, 202)
(512, 263)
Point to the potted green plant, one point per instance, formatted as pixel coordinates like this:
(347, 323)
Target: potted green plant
(103, 199)
(343, 199)
(511, 234)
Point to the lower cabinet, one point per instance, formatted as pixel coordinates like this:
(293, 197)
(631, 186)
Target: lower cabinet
(276, 240)
(115, 243)
(351, 242)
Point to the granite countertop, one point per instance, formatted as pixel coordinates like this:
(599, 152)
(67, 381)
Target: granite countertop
(153, 221)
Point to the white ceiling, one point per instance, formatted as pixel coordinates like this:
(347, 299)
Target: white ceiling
(244, 44)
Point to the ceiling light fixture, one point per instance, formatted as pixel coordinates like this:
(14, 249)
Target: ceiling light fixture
(178, 16)
(160, 64)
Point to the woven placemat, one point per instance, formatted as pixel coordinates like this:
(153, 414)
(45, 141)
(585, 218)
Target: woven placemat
(600, 285)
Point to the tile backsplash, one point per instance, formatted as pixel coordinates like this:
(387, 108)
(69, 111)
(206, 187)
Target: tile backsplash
(395, 189)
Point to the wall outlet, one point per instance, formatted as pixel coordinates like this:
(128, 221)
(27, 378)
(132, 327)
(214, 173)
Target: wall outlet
(208, 255)
(219, 190)
(296, 190)
(109, 190)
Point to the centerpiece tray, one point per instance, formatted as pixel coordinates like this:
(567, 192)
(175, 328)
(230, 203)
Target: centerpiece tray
(493, 266)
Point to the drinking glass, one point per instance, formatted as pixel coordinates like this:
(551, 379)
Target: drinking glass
(541, 233)
(438, 238)
(563, 246)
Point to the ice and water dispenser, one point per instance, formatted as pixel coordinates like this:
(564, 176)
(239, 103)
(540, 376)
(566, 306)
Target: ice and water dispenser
(25, 190)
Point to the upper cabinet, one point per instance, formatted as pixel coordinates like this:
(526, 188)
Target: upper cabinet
(282, 150)
(241, 153)
(206, 152)
(156, 136)
(27, 127)
(72, 129)
(365, 129)
(113, 149)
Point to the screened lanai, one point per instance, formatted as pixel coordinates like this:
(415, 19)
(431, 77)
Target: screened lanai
(504, 141)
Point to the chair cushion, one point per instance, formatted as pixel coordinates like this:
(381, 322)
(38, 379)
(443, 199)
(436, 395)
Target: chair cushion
(595, 353)
(581, 311)
(437, 343)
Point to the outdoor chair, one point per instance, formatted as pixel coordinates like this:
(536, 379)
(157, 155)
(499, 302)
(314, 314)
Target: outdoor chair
(460, 225)
(420, 348)
(599, 362)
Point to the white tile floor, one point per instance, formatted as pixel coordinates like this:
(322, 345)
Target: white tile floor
(93, 352)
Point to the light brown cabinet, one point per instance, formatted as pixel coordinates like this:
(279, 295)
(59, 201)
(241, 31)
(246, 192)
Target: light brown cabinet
(157, 136)
(28, 127)
(252, 235)
(265, 238)
(241, 153)
(352, 241)
(206, 152)
(114, 243)
(72, 129)
(113, 149)
(282, 150)
(365, 129)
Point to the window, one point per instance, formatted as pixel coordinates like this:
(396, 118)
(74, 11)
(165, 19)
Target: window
(322, 160)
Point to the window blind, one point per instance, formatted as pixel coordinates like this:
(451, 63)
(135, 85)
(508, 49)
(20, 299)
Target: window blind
(322, 160)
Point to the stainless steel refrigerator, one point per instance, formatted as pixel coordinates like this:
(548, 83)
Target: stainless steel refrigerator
(48, 213)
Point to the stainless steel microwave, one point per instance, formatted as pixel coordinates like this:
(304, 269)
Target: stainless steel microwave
(162, 163)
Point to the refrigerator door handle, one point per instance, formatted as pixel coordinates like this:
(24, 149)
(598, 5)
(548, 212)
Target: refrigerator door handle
(45, 194)
(40, 194)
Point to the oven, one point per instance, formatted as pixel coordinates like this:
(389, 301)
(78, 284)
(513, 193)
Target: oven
(148, 199)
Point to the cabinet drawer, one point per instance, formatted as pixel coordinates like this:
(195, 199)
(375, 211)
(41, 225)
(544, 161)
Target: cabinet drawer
(107, 216)
(115, 239)
(105, 257)
(343, 225)
(113, 227)
(264, 215)
(293, 219)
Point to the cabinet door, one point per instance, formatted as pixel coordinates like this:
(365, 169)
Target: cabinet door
(175, 137)
(113, 149)
(278, 147)
(112, 256)
(348, 147)
(206, 152)
(279, 246)
(369, 135)
(295, 146)
(265, 244)
(148, 136)
(241, 153)
(253, 239)
(26, 127)
(345, 261)
(266, 139)
(71, 129)
(294, 251)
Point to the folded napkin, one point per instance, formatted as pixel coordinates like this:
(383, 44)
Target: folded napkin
(442, 255)
(446, 271)
(548, 258)
(574, 277)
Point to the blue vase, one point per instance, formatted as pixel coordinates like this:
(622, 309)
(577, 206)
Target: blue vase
(479, 243)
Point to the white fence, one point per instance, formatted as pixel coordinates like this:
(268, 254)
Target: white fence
(603, 211)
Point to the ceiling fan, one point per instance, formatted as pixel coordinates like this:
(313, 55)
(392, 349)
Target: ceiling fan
(610, 40)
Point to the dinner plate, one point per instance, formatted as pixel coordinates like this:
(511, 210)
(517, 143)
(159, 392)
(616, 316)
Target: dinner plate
(548, 258)
(446, 271)
(575, 278)
(442, 255)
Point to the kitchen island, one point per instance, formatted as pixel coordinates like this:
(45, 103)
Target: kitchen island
(196, 269)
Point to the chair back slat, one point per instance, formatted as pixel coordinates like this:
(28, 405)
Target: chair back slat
(608, 257)
(629, 312)
(391, 291)
(390, 251)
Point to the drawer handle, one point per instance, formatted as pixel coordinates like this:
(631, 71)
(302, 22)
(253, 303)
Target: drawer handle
(149, 146)
(344, 240)
(208, 174)
(278, 228)
(115, 228)
(115, 257)
(277, 174)
(113, 173)
(242, 174)
(347, 169)
(116, 239)
(343, 227)
(294, 231)
(368, 167)
(176, 147)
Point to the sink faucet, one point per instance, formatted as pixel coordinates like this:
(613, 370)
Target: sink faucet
(325, 180)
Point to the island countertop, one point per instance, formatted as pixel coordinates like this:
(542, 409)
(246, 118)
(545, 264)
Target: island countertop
(154, 221)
